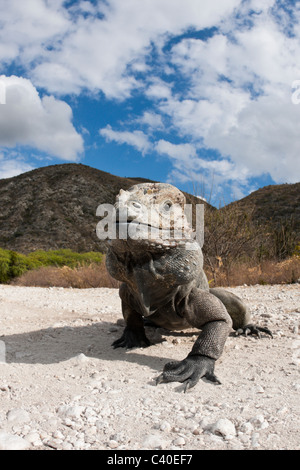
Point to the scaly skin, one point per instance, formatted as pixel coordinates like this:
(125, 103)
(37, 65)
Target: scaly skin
(163, 280)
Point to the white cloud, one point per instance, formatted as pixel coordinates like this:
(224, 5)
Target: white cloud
(96, 46)
(230, 92)
(178, 152)
(265, 139)
(12, 165)
(206, 59)
(28, 28)
(237, 98)
(159, 90)
(136, 139)
(151, 119)
(187, 160)
(43, 123)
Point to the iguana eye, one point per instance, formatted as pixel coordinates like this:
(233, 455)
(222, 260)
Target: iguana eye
(167, 206)
(136, 204)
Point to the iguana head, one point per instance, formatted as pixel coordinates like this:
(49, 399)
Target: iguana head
(152, 214)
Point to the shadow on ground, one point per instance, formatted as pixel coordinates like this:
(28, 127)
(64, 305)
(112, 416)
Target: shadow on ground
(57, 344)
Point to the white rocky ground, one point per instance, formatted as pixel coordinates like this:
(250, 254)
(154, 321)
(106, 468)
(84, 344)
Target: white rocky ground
(62, 386)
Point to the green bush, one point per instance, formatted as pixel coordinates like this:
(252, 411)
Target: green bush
(4, 266)
(64, 257)
(13, 264)
(18, 264)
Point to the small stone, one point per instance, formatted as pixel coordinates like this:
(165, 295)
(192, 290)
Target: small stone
(58, 435)
(180, 441)
(113, 444)
(113, 329)
(12, 442)
(205, 423)
(18, 416)
(197, 432)
(282, 410)
(80, 358)
(153, 441)
(258, 421)
(165, 426)
(247, 428)
(67, 446)
(255, 439)
(69, 411)
(223, 427)
(79, 444)
(264, 425)
(33, 437)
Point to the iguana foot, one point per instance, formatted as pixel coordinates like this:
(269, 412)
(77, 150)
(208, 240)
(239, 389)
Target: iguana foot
(253, 330)
(132, 339)
(189, 371)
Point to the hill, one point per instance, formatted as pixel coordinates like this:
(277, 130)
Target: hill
(55, 207)
(275, 205)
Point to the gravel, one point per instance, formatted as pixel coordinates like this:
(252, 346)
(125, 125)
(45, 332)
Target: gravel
(63, 386)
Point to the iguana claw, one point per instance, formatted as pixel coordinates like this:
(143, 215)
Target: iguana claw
(189, 371)
(253, 330)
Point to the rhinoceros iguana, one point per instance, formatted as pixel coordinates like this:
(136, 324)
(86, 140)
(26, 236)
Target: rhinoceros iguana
(161, 269)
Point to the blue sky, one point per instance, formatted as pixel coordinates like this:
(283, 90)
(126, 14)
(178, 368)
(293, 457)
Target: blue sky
(204, 94)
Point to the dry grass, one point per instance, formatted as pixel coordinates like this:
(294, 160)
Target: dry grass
(96, 275)
(83, 277)
(267, 272)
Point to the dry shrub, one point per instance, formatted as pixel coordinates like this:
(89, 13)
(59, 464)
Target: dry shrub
(284, 272)
(266, 272)
(83, 277)
(96, 275)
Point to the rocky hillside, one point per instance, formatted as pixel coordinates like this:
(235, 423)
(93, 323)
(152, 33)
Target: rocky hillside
(276, 204)
(55, 207)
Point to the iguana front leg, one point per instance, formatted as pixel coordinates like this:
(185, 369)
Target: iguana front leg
(205, 311)
(134, 333)
(132, 338)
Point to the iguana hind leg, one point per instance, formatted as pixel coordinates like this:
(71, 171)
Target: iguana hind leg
(239, 313)
(236, 308)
